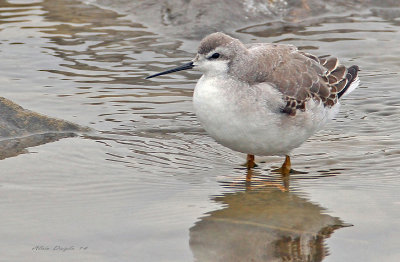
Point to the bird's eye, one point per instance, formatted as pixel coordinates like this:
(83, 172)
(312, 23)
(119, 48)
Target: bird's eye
(215, 56)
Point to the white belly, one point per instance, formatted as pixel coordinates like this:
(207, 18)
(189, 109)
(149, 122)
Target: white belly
(247, 118)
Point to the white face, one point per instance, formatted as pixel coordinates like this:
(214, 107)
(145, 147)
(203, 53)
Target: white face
(212, 64)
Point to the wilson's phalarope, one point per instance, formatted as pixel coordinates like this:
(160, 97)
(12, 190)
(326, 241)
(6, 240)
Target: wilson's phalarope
(265, 99)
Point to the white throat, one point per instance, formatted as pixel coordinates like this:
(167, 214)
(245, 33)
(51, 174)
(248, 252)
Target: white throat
(213, 68)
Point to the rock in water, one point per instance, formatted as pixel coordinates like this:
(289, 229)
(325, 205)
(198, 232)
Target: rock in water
(21, 128)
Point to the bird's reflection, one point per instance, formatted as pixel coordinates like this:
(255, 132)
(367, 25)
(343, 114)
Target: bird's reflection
(263, 223)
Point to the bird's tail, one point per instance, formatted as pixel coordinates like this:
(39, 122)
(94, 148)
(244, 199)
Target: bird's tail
(352, 81)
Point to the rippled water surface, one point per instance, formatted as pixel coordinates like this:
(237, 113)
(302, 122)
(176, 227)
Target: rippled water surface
(148, 184)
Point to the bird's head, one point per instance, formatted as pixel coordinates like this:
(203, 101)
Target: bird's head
(215, 55)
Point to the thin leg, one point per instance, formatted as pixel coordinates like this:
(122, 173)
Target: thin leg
(286, 166)
(250, 162)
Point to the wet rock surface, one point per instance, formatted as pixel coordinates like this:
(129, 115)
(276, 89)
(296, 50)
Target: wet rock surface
(21, 128)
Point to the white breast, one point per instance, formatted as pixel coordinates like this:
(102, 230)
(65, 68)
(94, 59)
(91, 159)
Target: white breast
(248, 118)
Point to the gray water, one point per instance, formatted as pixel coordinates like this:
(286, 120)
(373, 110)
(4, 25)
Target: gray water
(148, 184)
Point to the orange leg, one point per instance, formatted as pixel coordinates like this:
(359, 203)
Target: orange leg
(250, 162)
(286, 166)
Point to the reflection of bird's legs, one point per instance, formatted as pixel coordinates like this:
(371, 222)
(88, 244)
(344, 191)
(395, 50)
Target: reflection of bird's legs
(260, 183)
(249, 174)
(304, 4)
(250, 161)
(286, 182)
(286, 167)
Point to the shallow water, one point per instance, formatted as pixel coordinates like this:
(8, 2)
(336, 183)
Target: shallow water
(150, 185)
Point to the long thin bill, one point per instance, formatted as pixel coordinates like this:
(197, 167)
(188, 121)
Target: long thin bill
(176, 69)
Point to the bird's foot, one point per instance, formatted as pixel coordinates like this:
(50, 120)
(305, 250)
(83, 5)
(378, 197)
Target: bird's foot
(250, 163)
(285, 169)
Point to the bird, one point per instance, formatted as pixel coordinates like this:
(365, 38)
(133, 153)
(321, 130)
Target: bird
(265, 99)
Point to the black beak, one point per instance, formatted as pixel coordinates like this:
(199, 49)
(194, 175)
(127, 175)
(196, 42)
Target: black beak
(176, 69)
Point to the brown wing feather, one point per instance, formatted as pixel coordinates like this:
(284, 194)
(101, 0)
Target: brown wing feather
(299, 76)
(302, 76)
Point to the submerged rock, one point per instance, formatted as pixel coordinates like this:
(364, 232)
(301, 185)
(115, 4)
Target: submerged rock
(10, 147)
(21, 128)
